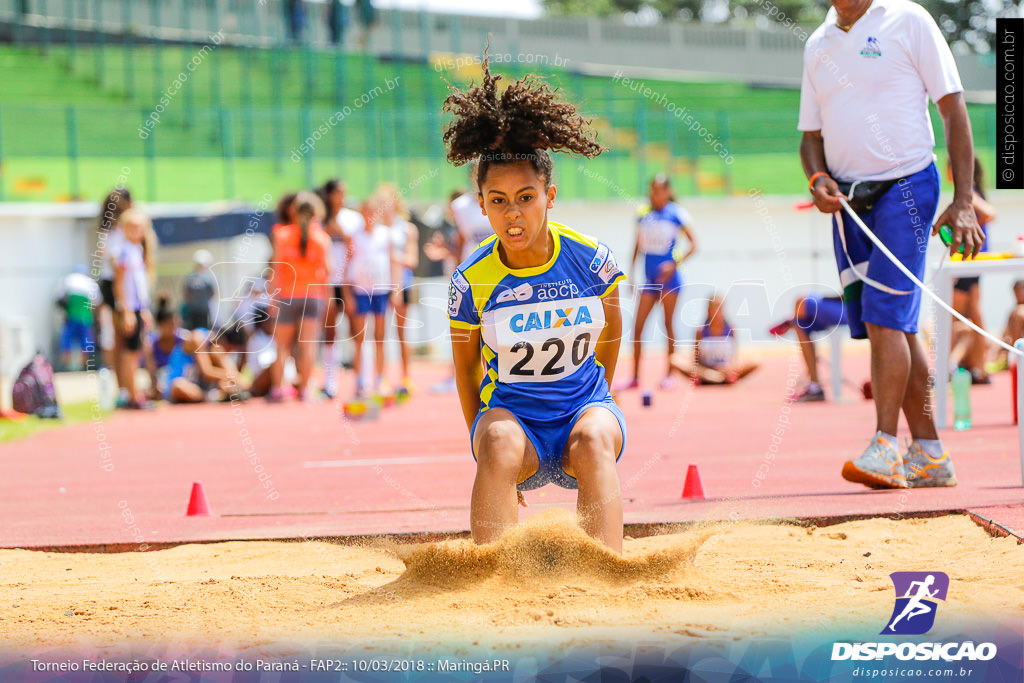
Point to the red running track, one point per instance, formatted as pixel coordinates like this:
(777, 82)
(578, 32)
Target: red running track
(411, 470)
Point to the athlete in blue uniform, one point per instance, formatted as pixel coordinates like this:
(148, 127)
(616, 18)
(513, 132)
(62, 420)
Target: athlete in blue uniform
(658, 227)
(539, 303)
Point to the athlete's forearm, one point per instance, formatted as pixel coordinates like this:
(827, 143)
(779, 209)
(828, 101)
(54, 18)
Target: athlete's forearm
(960, 145)
(468, 371)
(607, 351)
(812, 153)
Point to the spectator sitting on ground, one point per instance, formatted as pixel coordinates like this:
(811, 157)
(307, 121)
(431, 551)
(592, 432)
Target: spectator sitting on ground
(199, 289)
(715, 351)
(812, 314)
(260, 351)
(79, 294)
(184, 367)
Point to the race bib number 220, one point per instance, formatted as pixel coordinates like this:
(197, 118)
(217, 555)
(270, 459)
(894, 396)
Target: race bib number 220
(544, 341)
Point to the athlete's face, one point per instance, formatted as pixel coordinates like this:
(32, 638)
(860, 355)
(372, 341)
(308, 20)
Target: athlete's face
(659, 195)
(515, 201)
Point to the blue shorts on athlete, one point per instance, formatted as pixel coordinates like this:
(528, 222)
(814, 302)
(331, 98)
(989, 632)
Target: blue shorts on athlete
(902, 220)
(652, 271)
(76, 334)
(821, 314)
(376, 303)
(539, 328)
(549, 440)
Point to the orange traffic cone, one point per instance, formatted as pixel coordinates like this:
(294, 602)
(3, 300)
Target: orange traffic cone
(692, 488)
(197, 503)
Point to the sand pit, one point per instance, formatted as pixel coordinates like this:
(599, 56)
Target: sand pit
(545, 582)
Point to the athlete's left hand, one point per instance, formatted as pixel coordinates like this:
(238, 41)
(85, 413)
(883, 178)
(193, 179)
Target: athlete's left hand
(666, 270)
(960, 217)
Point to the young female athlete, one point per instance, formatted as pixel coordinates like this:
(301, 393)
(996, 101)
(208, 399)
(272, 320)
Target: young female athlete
(715, 351)
(301, 262)
(340, 224)
(658, 227)
(405, 257)
(539, 303)
(371, 277)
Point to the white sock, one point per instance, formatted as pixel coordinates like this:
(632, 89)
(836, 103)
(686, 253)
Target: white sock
(330, 367)
(891, 438)
(932, 447)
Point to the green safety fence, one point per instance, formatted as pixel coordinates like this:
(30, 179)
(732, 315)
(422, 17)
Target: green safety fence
(207, 123)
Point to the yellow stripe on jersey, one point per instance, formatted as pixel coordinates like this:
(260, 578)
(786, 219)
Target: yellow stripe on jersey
(492, 377)
(458, 324)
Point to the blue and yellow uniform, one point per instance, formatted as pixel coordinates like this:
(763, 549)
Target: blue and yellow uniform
(539, 331)
(658, 229)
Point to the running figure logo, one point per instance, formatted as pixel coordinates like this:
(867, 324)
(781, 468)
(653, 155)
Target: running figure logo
(916, 596)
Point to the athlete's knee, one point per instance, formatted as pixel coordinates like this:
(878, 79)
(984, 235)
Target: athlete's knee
(501, 446)
(592, 442)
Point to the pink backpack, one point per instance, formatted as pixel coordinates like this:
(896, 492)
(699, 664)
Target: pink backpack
(33, 390)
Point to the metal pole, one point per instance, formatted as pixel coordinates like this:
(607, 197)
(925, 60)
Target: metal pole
(1, 154)
(307, 132)
(1019, 345)
(227, 152)
(69, 10)
(129, 43)
(150, 152)
(72, 150)
(99, 41)
(46, 26)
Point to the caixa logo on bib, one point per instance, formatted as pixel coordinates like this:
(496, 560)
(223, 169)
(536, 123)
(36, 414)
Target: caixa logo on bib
(917, 599)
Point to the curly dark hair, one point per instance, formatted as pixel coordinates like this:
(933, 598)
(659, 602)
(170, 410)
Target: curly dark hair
(522, 123)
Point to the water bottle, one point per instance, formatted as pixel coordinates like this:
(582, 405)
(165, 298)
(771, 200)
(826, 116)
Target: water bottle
(106, 390)
(962, 399)
(1018, 248)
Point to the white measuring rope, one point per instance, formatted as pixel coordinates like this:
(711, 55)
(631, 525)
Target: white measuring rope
(913, 278)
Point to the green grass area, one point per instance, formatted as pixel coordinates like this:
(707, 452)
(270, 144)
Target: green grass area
(74, 413)
(72, 119)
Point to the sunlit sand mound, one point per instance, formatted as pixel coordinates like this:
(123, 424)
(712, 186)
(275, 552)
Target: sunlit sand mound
(547, 547)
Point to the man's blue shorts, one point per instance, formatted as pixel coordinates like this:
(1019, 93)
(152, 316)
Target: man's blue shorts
(376, 303)
(902, 220)
(550, 441)
(77, 334)
(821, 314)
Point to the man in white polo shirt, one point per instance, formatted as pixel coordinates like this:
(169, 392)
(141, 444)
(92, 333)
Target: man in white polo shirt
(868, 73)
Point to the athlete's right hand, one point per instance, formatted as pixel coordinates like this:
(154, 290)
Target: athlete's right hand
(127, 323)
(826, 195)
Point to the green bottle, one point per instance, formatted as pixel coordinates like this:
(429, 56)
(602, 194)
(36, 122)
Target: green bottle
(961, 399)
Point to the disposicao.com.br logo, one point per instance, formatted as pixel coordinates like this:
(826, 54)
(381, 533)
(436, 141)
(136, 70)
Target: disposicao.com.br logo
(917, 599)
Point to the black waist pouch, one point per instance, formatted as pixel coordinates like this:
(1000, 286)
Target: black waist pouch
(863, 195)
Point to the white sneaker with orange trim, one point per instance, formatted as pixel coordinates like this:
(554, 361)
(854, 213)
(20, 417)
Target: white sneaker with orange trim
(879, 467)
(925, 471)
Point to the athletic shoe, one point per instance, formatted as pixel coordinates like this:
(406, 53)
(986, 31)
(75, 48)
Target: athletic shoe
(924, 471)
(880, 466)
(447, 386)
(782, 328)
(328, 393)
(276, 395)
(812, 393)
(994, 366)
(667, 384)
(625, 386)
